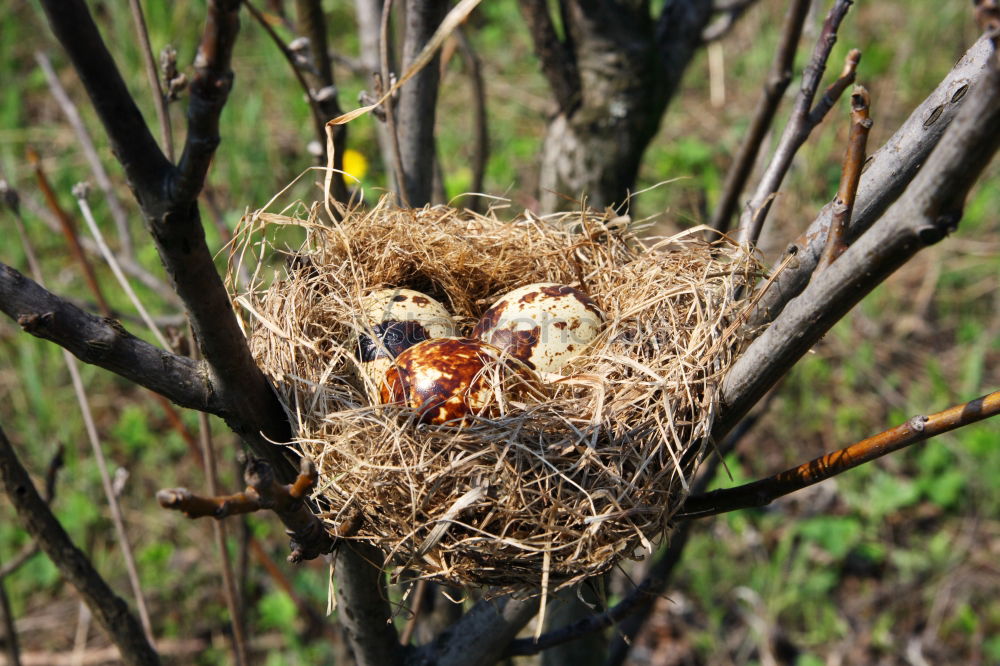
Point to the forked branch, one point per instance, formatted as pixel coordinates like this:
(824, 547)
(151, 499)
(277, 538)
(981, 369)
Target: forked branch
(886, 175)
(774, 88)
(804, 118)
(929, 210)
(309, 538)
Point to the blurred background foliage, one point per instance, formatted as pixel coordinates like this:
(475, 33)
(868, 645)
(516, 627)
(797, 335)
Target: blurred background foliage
(891, 563)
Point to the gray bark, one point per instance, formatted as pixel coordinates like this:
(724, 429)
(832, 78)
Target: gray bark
(629, 67)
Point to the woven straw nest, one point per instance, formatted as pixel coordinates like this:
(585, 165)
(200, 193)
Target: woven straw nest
(559, 485)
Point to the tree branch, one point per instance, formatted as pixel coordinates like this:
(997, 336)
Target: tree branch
(363, 598)
(801, 123)
(557, 59)
(885, 176)
(417, 107)
(105, 343)
(481, 637)
(131, 140)
(208, 92)
(774, 87)
(37, 519)
(926, 213)
(309, 538)
(312, 24)
(917, 429)
(31, 549)
(167, 197)
(854, 160)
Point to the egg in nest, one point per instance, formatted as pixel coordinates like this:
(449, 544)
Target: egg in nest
(543, 325)
(447, 379)
(394, 320)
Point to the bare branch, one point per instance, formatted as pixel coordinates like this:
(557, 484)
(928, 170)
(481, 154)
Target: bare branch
(105, 343)
(383, 82)
(482, 636)
(361, 588)
(312, 24)
(801, 123)
(777, 81)
(854, 160)
(208, 92)
(10, 629)
(168, 200)
(318, 120)
(68, 227)
(926, 213)
(159, 101)
(885, 176)
(35, 516)
(917, 429)
(31, 549)
(417, 108)
(309, 538)
(481, 145)
(720, 27)
(556, 56)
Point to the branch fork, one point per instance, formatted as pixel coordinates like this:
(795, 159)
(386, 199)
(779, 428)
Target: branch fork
(309, 537)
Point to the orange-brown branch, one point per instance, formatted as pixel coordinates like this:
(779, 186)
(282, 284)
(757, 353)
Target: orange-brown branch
(310, 538)
(917, 429)
(850, 176)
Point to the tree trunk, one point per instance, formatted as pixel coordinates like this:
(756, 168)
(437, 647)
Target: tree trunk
(628, 68)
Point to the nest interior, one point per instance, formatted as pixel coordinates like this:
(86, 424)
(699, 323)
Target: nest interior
(557, 486)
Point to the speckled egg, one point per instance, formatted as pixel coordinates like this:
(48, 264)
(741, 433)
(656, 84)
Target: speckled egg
(448, 379)
(399, 319)
(543, 325)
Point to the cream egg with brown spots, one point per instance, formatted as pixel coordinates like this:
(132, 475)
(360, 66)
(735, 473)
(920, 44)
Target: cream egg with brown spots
(394, 320)
(543, 325)
(448, 379)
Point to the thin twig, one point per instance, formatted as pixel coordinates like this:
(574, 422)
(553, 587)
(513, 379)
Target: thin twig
(917, 429)
(777, 81)
(801, 123)
(854, 160)
(31, 549)
(37, 519)
(219, 528)
(159, 101)
(95, 444)
(930, 209)
(10, 628)
(115, 207)
(886, 175)
(481, 143)
(319, 121)
(417, 107)
(309, 537)
(80, 193)
(69, 232)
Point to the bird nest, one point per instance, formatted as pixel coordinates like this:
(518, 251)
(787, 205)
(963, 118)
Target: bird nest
(562, 482)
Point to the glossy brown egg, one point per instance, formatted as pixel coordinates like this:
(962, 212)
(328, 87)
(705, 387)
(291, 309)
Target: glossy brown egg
(448, 379)
(543, 325)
